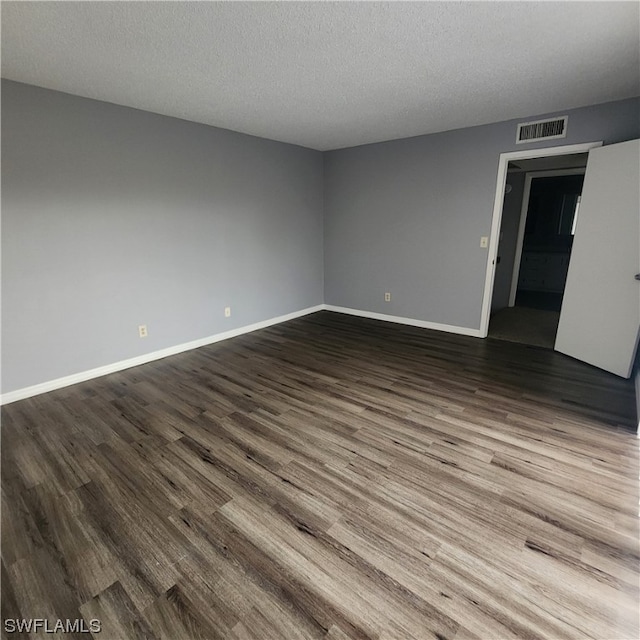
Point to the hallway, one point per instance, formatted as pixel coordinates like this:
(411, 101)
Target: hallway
(535, 327)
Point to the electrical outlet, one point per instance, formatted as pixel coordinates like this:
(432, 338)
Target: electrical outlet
(484, 242)
(387, 297)
(227, 312)
(142, 331)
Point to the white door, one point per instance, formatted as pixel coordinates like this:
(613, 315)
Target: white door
(600, 314)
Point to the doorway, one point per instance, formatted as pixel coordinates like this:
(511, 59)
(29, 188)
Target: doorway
(539, 214)
(503, 243)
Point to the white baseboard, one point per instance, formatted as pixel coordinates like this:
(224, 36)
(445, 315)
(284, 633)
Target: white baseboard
(449, 328)
(59, 383)
(82, 376)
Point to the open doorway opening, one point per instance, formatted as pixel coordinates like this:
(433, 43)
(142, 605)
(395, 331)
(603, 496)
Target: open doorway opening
(496, 220)
(539, 211)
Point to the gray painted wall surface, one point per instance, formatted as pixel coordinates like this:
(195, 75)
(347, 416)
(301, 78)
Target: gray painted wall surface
(511, 210)
(114, 217)
(406, 216)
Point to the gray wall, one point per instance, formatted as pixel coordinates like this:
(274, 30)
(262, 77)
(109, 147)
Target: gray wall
(406, 216)
(511, 210)
(114, 217)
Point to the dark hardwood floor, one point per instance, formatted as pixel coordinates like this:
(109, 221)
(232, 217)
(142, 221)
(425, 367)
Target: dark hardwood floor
(331, 477)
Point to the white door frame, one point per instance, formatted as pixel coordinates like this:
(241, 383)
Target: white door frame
(505, 158)
(529, 177)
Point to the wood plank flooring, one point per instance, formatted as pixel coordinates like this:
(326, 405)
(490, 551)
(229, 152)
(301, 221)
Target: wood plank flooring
(331, 477)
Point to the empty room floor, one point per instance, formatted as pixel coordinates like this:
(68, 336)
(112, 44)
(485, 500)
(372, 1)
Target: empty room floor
(331, 477)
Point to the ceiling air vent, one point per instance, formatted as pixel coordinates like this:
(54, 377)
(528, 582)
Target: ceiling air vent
(542, 130)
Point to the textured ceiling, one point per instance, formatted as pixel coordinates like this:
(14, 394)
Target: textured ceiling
(327, 75)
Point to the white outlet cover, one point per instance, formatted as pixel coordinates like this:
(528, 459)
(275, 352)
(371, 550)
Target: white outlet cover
(484, 242)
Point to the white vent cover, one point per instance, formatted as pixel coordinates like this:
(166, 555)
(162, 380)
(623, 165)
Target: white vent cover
(542, 130)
